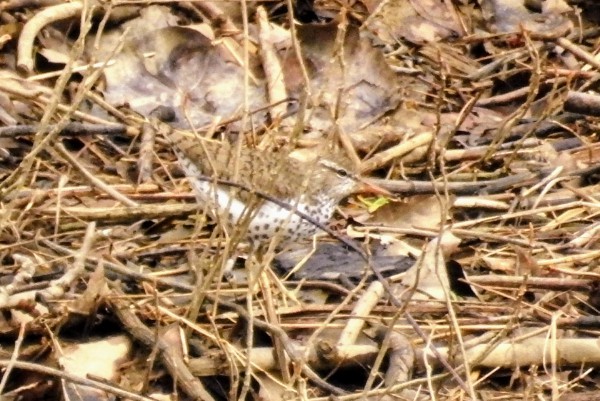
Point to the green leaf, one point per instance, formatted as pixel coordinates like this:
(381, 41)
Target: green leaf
(373, 203)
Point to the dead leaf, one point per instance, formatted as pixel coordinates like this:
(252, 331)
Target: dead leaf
(423, 212)
(428, 275)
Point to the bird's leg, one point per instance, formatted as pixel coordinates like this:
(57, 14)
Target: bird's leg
(235, 233)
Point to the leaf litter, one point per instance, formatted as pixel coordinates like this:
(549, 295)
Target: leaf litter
(482, 281)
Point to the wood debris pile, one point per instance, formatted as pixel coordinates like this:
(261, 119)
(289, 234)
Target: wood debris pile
(477, 280)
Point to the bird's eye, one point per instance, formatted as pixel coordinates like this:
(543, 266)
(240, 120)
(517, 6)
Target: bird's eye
(341, 172)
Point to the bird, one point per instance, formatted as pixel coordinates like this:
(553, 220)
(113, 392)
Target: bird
(267, 193)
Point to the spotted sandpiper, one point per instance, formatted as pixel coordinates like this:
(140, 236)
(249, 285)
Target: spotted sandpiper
(307, 188)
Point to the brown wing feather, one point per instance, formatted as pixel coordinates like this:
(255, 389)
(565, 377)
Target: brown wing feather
(272, 173)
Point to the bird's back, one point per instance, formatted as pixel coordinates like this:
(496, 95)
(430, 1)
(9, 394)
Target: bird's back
(271, 173)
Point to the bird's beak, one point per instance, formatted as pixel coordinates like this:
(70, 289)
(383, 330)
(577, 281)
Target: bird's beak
(368, 187)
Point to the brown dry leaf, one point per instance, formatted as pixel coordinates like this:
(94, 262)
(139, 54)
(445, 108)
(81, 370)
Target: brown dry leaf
(506, 265)
(423, 212)
(179, 232)
(54, 56)
(512, 16)
(7, 112)
(405, 122)
(451, 58)
(178, 67)
(98, 358)
(383, 136)
(416, 21)
(270, 389)
(556, 6)
(55, 46)
(11, 84)
(181, 67)
(364, 89)
(428, 275)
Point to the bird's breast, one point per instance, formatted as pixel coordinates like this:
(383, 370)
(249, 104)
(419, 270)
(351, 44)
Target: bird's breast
(264, 218)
